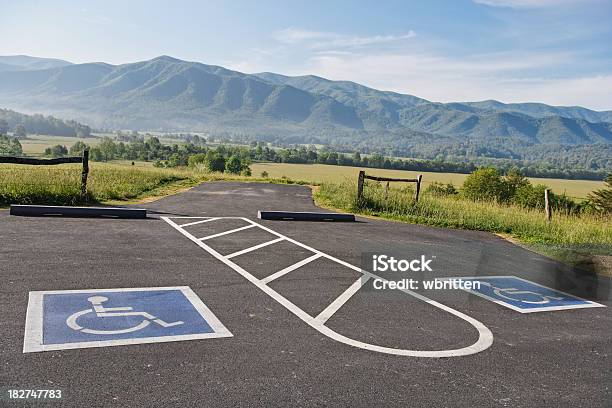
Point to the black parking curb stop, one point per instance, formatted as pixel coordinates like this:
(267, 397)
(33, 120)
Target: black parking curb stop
(86, 212)
(304, 216)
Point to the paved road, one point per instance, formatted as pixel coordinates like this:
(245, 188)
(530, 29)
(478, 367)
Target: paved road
(558, 358)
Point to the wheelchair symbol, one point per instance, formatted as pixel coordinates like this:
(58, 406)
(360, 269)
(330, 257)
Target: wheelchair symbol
(101, 311)
(505, 292)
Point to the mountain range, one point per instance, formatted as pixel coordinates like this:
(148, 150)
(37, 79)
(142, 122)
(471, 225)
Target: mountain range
(166, 93)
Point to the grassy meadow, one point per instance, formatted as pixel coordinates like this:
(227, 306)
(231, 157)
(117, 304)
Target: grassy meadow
(35, 145)
(319, 173)
(584, 234)
(107, 182)
(120, 182)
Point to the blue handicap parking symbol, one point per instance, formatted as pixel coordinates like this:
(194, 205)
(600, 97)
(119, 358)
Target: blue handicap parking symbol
(108, 317)
(525, 296)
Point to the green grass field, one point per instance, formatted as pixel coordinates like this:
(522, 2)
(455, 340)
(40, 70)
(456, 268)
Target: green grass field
(107, 182)
(591, 233)
(318, 173)
(35, 145)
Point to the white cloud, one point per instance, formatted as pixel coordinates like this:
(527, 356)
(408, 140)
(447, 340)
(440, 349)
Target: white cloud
(444, 79)
(527, 3)
(323, 39)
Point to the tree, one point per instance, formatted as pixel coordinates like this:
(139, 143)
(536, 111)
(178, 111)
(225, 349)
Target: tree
(107, 148)
(20, 131)
(4, 127)
(214, 162)
(233, 165)
(513, 181)
(56, 151)
(602, 199)
(77, 148)
(10, 146)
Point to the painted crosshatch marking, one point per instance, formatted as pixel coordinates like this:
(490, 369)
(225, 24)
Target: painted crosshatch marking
(109, 317)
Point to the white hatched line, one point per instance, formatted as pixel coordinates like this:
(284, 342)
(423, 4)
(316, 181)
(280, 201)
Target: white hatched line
(198, 222)
(485, 337)
(226, 232)
(253, 248)
(290, 268)
(341, 300)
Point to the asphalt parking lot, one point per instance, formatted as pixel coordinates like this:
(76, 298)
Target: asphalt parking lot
(303, 328)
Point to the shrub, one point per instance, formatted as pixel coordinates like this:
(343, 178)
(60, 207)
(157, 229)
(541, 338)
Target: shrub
(602, 199)
(196, 159)
(215, 162)
(485, 184)
(233, 165)
(77, 148)
(56, 151)
(529, 196)
(264, 174)
(440, 189)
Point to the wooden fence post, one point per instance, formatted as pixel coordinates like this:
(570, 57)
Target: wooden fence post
(547, 205)
(418, 188)
(387, 191)
(360, 187)
(84, 174)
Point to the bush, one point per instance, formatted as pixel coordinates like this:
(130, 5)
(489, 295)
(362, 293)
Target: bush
(602, 199)
(10, 146)
(439, 189)
(246, 171)
(264, 174)
(77, 148)
(529, 196)
(215, 162)
(56, 151)
(233, 165)
(196, 159)
(485, 184)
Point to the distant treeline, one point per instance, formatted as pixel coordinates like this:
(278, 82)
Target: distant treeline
(586, 161)
(151, 149)
(22, 125)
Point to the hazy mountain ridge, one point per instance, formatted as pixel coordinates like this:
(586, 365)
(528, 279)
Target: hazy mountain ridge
(171, 94)
(25, 62)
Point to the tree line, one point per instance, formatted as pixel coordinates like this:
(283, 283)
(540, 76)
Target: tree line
(22, 125)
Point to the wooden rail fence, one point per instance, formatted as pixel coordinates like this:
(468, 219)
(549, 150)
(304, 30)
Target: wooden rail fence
(60, 160)
(363, 177)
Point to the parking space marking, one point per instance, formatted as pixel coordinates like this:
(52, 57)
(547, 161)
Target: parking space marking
(485, 337)
(226, 232)
(525, 296)
(341, 300)
(290, 268)
(253, 248)
(85, 318)
(199, 222)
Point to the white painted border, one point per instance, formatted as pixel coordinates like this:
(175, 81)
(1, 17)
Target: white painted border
(485, 337)
(589, 304)
(33, 338)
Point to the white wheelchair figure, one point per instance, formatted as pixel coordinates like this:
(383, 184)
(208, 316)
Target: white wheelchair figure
(503, 292)
(101, 311)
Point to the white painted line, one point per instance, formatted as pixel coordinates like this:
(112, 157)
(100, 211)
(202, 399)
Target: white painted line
(226, 232)
(485, 337)
(253, 248)
(198, 222)
(290, 268)
(33, 337)
(341, 300)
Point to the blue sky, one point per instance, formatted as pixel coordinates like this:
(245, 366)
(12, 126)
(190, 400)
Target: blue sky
(552, 51)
